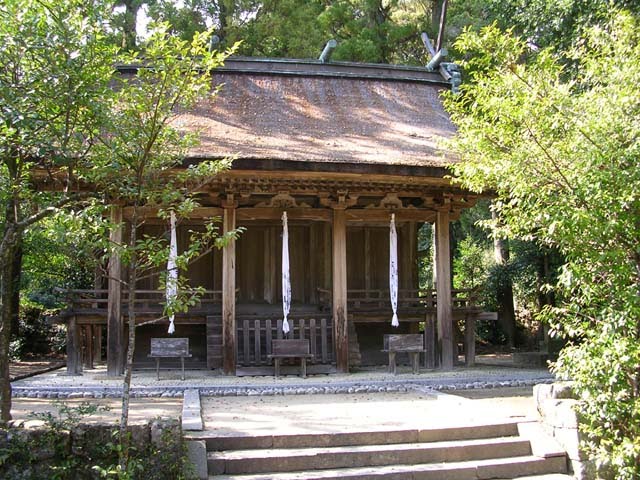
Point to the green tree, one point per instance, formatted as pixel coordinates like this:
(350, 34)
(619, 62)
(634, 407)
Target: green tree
(561, 156)
(54, 72)
(140, 150)
(552, 23)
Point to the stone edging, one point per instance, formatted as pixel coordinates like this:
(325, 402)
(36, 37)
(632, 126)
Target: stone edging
(177, 391)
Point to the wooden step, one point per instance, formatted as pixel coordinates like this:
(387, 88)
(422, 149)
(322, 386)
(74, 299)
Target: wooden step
(295, 459)
(504, 468)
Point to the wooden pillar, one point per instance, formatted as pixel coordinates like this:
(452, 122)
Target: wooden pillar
(97, 343)
(74, 366)
(229, 293)
(443, 291)
(87, 346)
(115, 334)
(470, 340)
(340, 324)
(429, 341)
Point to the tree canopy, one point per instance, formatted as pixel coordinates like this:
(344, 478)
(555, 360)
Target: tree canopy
(560, 152)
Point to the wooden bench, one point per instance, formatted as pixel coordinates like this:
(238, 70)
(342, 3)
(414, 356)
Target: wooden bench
(412, 343)
(292, 348)
(169, 348)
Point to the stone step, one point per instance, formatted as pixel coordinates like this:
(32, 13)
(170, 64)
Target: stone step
(548, 476)
(295, 459)
(216, 442)
(507, 468)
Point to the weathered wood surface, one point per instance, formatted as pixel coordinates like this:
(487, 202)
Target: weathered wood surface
(430, 340)
(412, 343)
(229, 295)
(339, 255)
(256, 335)
(169, 348)
(290, 348)
(443, 287)
(74, 365)
(409, 342)
(409, 300)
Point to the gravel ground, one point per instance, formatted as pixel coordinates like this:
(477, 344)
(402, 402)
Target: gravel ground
(95, 383)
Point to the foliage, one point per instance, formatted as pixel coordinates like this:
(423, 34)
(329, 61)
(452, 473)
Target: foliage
(54, 73)
(470, 266)
(65, 448)
(140, 148)
(552, 23)
(561, 156)
(385, 31)
(46, 454)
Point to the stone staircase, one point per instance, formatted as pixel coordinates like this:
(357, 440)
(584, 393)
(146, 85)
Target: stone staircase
(497, 451)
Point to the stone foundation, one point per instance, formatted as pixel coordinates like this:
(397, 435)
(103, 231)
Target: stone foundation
(36, 451)
(556, 404)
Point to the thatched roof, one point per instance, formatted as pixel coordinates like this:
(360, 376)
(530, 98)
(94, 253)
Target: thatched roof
(325, 113)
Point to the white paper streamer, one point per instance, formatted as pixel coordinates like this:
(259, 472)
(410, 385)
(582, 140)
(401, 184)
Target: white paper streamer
(172, 271)
(286, 280)
(393, 270)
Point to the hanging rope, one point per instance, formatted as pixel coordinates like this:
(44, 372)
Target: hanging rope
(286, 279)
(393, 270)
(172, 271)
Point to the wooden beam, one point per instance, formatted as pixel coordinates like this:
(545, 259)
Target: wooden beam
(269, 213)
(443, 291)
(381, 216)
(196, 213)
(341, 336)
(115, 333)
(229, 295)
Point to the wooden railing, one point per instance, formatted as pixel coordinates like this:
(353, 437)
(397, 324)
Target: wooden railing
(87, 302)
(360, 300)
(255, 334)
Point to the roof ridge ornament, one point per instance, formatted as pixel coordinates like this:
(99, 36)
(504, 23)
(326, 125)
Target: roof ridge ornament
(327, 51)
(449, 71)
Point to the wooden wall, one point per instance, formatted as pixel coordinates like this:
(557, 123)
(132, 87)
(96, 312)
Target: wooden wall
(259, 258)
(259, 262)
(368, 257)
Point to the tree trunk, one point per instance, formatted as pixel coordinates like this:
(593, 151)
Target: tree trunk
(17, 276)
(504, 295)
(126, 388)
(8, 311)
(129, 26)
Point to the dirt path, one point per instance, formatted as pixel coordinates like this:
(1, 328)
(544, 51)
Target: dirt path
(140, 409)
